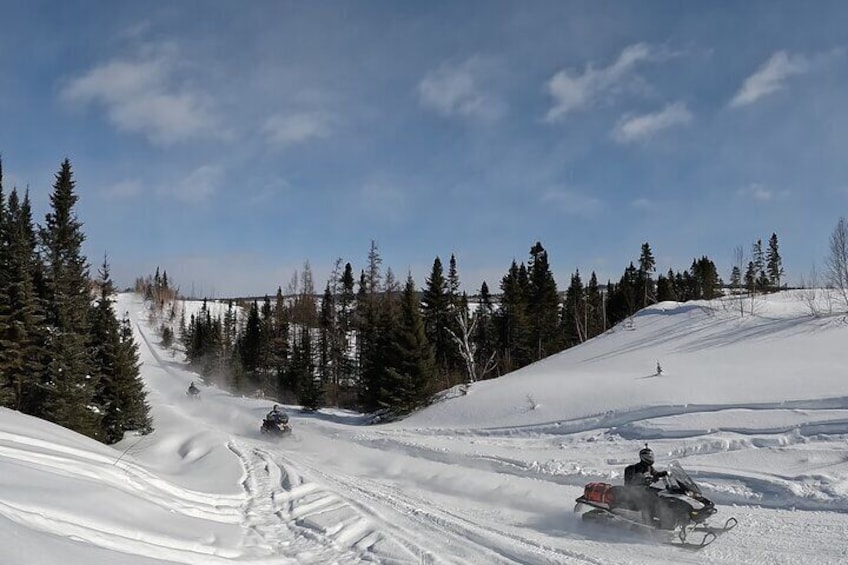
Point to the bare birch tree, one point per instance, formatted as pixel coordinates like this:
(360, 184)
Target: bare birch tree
(467, 348)
(837, 262)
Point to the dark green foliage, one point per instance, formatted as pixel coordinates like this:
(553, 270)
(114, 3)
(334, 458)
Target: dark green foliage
(485, 335)
(542, 305)
(511, 320)
(410, 369)
(22, 330)
(774, 263)
(436, 306)
(120, 391)
(68, 377)
(302, 373)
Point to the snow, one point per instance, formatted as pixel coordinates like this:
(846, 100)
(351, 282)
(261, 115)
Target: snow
(755, 407)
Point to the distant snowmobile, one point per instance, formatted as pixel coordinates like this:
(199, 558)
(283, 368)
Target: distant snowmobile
(679, 508)
(275, 429)
(276, 423)
(193, 392)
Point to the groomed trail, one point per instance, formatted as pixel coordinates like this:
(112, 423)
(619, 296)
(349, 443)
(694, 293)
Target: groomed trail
(340, 492)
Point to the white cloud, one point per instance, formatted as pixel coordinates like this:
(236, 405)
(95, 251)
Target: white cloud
(123, 189)
(459, 90)
(286, 130)
(572, 202)
(572, 90)
(636, 128)
(642, 204)
(770, 77)
(144, 96)
(198, 186)
(760, 193)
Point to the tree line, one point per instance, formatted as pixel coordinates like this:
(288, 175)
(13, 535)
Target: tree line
(64, 354)
(374, 343)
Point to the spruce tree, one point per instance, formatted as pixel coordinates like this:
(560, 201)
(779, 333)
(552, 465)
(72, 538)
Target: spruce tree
(485, 337)
(436, 307)
(774, 263)
(120, 391)
(411, 372)
(542, 305)
(68, 375)
(514, 329)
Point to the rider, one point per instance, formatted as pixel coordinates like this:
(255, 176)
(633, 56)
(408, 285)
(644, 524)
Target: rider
(638, 478)
(277, 416)
(643, 473)
(193, 390)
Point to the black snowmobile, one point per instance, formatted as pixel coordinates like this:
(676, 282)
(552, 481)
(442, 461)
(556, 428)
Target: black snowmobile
(193, 392)
(679, 507)
(275, 429)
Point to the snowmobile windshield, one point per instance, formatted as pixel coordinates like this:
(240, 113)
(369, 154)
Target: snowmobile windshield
(677, 475)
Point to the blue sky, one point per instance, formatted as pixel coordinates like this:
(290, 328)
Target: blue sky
(230, 142)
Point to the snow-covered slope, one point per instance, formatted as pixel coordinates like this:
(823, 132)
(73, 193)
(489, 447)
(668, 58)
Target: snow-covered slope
(755, 407)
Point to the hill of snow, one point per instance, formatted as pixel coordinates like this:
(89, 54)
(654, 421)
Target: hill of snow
(754, 406)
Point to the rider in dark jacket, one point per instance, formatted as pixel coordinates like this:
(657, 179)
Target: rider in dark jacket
(638, 478)
(643, 473)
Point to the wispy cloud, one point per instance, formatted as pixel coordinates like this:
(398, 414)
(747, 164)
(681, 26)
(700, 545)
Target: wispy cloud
(122, 189)
(286, 130)
(631, 129)
(760, 193)
(145, 95)
(770, 77)
(198, 186)
(572, 90)
(462, 90)
(573, 202)
(642, 204)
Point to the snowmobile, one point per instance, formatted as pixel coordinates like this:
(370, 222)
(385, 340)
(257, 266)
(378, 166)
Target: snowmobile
(678, 508)
(275, 429)
(193, 392)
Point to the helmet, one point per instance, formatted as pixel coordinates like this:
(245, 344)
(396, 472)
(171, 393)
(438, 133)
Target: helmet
(274, 408)
(646, 455)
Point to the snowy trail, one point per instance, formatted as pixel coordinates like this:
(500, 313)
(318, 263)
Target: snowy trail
(207, 488)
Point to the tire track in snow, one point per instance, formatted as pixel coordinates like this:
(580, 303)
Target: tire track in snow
(285, 515)
(469, 541)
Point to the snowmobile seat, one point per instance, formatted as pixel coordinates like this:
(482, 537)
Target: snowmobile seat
(601, 493)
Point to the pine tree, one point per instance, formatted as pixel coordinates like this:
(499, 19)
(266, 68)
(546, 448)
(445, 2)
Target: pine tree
(68, 375)
(542, 304)
(511, 320)
(573, 312)
(120, 391)
(485, 337)
(774, 263)
(647, 266)
(436, 307)
(411, 371)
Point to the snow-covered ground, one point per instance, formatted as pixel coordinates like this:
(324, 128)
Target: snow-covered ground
(755, 407)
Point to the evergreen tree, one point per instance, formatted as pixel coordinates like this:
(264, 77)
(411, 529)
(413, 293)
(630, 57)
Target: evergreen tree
(514, 329)
(22, 335)
(542, 305)
(595, 323)
(120, 391)
(411, 370)
(573, 314)
(647, 266)
(250, 341)
(774, 263)
(485, 337)
(68, 375)
(280, 344)
(436, 307)
(309, 390)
